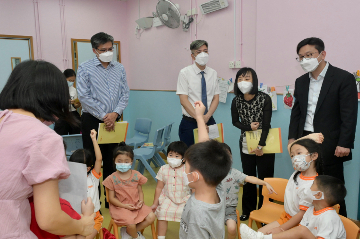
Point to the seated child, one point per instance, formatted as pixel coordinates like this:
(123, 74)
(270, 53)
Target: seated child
(170, 194)
(320, 220)
(307, 161)
(206, 164)
(126, 197)
(93, 178)
(231, 185)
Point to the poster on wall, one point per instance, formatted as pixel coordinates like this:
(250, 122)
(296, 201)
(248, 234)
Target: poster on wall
(288, 98)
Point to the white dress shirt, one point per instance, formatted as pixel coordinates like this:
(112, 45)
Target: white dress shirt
(314, 92)
(189, 83)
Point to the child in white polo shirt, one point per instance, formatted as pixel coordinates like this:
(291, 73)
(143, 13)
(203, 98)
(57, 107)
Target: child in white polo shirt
(93, 177)
(320, 220)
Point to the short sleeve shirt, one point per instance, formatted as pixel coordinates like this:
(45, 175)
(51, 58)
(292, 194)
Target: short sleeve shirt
(93, 181)
(324, 223)
(231, 186)
(189, 83)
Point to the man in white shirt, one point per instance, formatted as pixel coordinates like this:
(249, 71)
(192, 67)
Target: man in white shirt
(325, 102)
(197, 82)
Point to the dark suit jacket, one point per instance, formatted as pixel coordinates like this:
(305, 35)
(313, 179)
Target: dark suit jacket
(335, 114)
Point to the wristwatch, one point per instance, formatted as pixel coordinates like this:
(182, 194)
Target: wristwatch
(259, 147)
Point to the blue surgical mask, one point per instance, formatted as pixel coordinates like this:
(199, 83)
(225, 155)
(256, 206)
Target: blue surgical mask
(123, 167)
(70, 84)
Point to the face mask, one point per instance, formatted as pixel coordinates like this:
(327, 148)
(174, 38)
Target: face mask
(245, 87)
(174, 162)
(106, 56)
(202, 58)
(311, 195)
(123, 167)
(309, 65)
(70, 84)
(186, 181)
(299, 162)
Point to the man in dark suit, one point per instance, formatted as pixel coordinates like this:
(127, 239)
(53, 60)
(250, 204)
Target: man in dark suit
(325, 102)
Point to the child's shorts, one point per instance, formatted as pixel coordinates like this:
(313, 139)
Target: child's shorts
(98, 221)
(284, 217)
(230, 213)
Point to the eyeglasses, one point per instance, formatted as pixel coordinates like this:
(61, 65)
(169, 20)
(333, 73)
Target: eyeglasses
(106, 50)
(307, 57)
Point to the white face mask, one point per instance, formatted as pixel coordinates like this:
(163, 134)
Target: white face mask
(174, 162)
(311, 195)
(299, 162)
(245, 87)
(202, 58)
(309, 65)
(186, 181)
(106, 56)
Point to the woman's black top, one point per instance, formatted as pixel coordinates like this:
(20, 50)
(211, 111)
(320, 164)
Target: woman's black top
(258, 109)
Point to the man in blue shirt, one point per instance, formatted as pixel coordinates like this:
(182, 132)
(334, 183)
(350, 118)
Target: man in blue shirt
(104, 94)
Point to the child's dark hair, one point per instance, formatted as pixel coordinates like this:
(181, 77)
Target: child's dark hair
(211, 159)
(333, 189)
(226, 147)
(83, 156)
(122, 149)
(312, 147)
(177, 147)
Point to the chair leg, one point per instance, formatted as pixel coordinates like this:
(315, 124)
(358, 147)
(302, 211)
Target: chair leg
(148, 167)
(152, 160)
(116, 231)
(110, 226)
(141, 167)
(250, 222)
(258, 224)
(159, 158)
(164, 152)
(133, 164)
(153, 231)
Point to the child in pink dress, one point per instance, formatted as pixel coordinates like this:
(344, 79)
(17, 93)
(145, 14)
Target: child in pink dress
(126, 196)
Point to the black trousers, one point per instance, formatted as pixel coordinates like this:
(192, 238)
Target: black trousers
(264, 166)
(64, 128)
(186, 129)
(89, 122)
(334, 170)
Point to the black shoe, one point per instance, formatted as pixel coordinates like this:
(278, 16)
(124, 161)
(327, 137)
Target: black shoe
(263, 224)
(244, 217)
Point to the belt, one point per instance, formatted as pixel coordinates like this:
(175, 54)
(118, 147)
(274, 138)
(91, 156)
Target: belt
(190, 119)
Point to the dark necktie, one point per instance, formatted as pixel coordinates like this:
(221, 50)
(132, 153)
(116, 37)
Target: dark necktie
(203, 91)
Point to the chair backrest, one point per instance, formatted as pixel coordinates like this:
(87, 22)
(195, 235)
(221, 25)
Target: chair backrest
(352, 230)
(73, 142)
(279, 185)
(143, 125)
(158, 138)
(337, 208)
(167, 133)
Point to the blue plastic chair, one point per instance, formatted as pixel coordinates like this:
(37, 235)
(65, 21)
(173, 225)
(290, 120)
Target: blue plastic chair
(167, 136)
(142, 130)
(73, 142)
(146, 153)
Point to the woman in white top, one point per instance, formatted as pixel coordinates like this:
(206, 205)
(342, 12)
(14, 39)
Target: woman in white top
(62, 127)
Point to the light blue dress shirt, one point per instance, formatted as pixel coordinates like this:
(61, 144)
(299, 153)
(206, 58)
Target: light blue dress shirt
(102, 90)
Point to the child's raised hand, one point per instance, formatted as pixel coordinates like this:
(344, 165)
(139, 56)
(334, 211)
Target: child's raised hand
(87, 208)
(270, 188)
(93, 134)
(199, 109)
(317, 137)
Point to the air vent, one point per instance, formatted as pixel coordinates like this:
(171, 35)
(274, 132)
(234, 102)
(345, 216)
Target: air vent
(213, 6)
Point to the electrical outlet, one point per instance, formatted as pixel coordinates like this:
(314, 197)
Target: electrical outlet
(238, 64)
(231, 64)
(192, 12)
